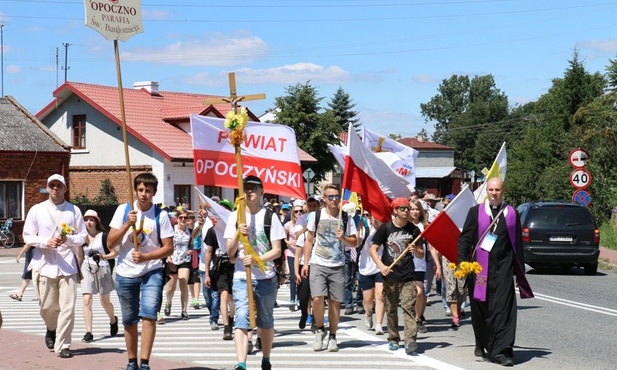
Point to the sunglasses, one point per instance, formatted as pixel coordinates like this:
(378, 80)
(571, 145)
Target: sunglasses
(403, 208)
(182, 218)
(334, 197)
(54, 185)
(252, 189)
(298, 211)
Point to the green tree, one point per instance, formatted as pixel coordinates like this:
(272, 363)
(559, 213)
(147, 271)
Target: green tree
(300, 109)
(466, 111)
(341, 107)
(107, 194)
(611, 75)
(448, 104)
(596, 129)
(538, 168)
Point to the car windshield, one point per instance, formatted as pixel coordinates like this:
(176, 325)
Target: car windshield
(563, 216)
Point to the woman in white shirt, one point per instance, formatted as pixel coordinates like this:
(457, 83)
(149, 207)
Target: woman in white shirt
(97, 273)
(179, 264)
(371, 282)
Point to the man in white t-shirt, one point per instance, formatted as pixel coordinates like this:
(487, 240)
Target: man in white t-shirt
(264, 282)
(325, 250)
(139, 272)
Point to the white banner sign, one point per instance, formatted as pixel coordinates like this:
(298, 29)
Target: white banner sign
(114, 19)
(269, 152)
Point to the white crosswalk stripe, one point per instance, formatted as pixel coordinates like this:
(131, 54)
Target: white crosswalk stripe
(193, 342)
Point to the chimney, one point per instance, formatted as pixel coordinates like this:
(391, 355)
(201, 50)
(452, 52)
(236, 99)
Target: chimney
(420, 138)
(151, 86)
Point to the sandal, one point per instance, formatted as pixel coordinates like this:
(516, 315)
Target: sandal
(15, 297)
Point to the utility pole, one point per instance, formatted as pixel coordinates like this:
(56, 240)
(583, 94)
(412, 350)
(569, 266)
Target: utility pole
(57, 67)
(2, 54)
(66, 59)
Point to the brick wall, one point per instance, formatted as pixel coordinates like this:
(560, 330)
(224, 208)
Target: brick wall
(87, 180)
(34, 169)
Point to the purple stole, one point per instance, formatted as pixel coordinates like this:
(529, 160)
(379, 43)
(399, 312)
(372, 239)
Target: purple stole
(482, 256)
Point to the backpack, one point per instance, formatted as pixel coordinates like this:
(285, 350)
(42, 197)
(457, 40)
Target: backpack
(278, 261)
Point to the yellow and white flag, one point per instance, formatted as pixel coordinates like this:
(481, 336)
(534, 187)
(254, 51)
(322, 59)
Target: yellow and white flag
(498, 169)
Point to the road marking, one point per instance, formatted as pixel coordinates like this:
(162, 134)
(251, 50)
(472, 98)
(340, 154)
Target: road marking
(580, 305)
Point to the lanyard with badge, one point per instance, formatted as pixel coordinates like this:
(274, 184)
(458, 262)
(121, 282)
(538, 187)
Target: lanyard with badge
(489, 238)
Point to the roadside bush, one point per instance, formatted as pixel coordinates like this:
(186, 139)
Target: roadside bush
(608, 235)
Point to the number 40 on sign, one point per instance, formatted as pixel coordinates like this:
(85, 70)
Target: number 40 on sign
(580, 178)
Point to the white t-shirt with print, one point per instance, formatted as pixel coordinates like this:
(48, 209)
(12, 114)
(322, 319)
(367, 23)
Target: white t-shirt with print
(258, 240)
(327, 249)
(147, 237)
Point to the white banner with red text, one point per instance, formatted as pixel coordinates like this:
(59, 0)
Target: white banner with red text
(269, 152)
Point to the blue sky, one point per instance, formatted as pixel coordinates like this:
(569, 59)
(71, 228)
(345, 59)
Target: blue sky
(389, 55)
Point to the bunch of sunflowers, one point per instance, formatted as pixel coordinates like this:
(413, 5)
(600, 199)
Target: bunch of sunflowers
(65, 229)
(465, 268)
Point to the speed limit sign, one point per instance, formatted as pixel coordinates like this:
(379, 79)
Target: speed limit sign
(580, 178)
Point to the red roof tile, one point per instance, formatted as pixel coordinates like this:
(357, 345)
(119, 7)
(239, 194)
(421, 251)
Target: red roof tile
(419, 145)
(148, 116)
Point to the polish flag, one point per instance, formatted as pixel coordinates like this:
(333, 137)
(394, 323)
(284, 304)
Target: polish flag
(445, 229)
(375, 182)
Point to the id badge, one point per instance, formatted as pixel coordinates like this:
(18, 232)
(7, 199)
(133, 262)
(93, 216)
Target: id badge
(488, 242)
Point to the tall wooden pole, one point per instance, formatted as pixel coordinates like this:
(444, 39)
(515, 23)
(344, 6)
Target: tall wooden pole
(234, 99)
(125, 139)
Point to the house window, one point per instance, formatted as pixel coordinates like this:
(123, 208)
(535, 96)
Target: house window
(182, 195)
(213, 190)
(10, 199)
(79, 131)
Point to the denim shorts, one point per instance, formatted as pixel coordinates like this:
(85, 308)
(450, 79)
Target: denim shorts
(368, 281)
(264, 293)
(140, 297)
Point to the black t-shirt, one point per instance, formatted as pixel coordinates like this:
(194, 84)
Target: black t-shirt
(215, 251)
(394, 243)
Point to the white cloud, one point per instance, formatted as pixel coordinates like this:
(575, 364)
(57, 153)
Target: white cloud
(35, 28)
(12, 69)
(609, 45)
(214, 50)
(423, 78)
(150, 15)
(287, 74)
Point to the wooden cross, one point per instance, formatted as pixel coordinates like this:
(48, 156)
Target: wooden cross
(233, 98)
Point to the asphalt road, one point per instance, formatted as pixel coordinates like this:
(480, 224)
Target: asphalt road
(571, 324)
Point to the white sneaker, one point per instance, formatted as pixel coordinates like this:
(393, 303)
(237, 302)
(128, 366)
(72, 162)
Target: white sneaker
(378, 329)
(332, 346)
(368, 321)
(318, 342)
(448, 312)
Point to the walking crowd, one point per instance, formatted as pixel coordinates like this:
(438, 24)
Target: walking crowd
(335, 256)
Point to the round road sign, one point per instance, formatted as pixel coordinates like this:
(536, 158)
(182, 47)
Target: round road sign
(580, 178)
(582, 197)
(578, 158)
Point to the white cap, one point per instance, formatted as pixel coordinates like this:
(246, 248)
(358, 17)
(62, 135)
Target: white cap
(298, 203)
(56, 177)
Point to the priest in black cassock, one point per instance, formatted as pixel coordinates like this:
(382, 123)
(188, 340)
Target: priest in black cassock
(492, 237)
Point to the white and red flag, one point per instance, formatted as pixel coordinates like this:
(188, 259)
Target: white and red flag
(445, 229)
(370, 177)
(269, 151)
(401, 158)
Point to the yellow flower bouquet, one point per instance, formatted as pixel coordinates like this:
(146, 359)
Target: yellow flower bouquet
(65, 229)
(465, 268)
(236, 122)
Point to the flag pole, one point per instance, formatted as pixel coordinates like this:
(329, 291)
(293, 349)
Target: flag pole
(126, 142)
(241, 220)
